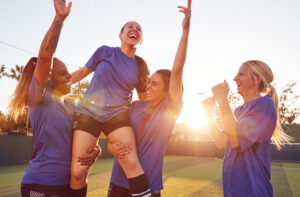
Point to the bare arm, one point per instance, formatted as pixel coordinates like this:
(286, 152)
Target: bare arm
(220, 93)
(80, 74)
(219, 137)
(175, 90)
(49, 44)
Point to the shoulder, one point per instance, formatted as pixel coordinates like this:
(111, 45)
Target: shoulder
(263, 105)
(171, 106)
(70, 103)
(104, 49)
(138, 104)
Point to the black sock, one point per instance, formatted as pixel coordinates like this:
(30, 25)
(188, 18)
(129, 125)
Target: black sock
(78, 192)
(139, 186)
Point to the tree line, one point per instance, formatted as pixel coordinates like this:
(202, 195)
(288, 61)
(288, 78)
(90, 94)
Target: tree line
(288, 108)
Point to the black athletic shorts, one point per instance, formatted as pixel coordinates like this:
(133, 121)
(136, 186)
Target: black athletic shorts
(36, 190)
(86, 123)
(117, 191)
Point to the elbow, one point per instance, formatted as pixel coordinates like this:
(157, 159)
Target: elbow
(44, 56)
(177, 72)
(235, 145)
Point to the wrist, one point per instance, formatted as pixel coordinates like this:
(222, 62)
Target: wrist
(222, 100)
(60, 18)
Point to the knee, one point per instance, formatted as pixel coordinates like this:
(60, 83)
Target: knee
(130, 163)
(79, 172)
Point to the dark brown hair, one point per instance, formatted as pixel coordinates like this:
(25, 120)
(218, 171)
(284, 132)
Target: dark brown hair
(143, 74)
(165, 75)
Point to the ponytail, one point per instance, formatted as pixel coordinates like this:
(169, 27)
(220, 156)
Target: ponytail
(17, 105)
(260, 69)
(279, 136)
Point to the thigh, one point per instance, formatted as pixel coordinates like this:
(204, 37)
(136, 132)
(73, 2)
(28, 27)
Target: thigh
(124, 135)
(131, 164)
(82, 140)
(116, 191)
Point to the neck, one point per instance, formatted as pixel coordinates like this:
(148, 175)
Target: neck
(251, 96)
(58, 95)
(128, 51)
(156, 102)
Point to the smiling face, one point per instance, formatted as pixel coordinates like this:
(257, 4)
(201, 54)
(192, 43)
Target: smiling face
(156, 90)
(245, 84)
(131, 34)
(61, 78)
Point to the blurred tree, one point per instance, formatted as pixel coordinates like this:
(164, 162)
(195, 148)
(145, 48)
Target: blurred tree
(289, 109)
(2, 71)
(15, 73)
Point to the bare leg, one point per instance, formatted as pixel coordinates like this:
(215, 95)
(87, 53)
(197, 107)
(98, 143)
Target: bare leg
(81, 142)
(130, 165)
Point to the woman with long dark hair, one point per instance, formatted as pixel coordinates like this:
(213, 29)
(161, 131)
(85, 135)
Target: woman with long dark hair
(104, 106)
(153, 120)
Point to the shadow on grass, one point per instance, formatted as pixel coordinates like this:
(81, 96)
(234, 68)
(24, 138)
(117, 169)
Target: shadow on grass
(214, 189)
(10, 191)
(281, 187)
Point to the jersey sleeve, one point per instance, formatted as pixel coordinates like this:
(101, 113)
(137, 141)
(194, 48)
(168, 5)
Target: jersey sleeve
(96, 58)
(257, 125)
(37, 94)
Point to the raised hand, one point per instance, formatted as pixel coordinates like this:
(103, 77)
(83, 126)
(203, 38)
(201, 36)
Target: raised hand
(61, 9)
(187, 14)
(220, 91)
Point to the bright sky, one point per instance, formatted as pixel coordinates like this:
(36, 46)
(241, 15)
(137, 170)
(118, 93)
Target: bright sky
(223, 35)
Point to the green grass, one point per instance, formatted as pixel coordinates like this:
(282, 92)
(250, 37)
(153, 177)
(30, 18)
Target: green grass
(183, 176)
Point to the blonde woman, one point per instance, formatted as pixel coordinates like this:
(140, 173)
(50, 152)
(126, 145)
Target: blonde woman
(248, 131)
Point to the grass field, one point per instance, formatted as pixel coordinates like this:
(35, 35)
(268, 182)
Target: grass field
(183, 176)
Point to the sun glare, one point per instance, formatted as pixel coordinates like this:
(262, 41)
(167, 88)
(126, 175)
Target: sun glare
(192, 112)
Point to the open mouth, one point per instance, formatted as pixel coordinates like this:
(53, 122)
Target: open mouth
(133, 35)
(69, 84)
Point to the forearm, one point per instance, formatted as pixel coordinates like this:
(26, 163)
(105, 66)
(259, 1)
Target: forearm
(229, 122)
(175, 90)
(80, 74)
(50, 41)
(219, 137)
(181, 53)
(76, 76)
(46, 53)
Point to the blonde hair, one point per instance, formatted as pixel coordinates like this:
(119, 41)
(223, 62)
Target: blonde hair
(17, 105)
(260, 69)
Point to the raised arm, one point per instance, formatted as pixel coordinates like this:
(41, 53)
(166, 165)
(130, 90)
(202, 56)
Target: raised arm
(219, 136)
(49, 44)
(175, 90)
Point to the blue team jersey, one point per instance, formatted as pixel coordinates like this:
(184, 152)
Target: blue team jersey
(52, 122)
(246, 170)
(111, 88)
(154, 140)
